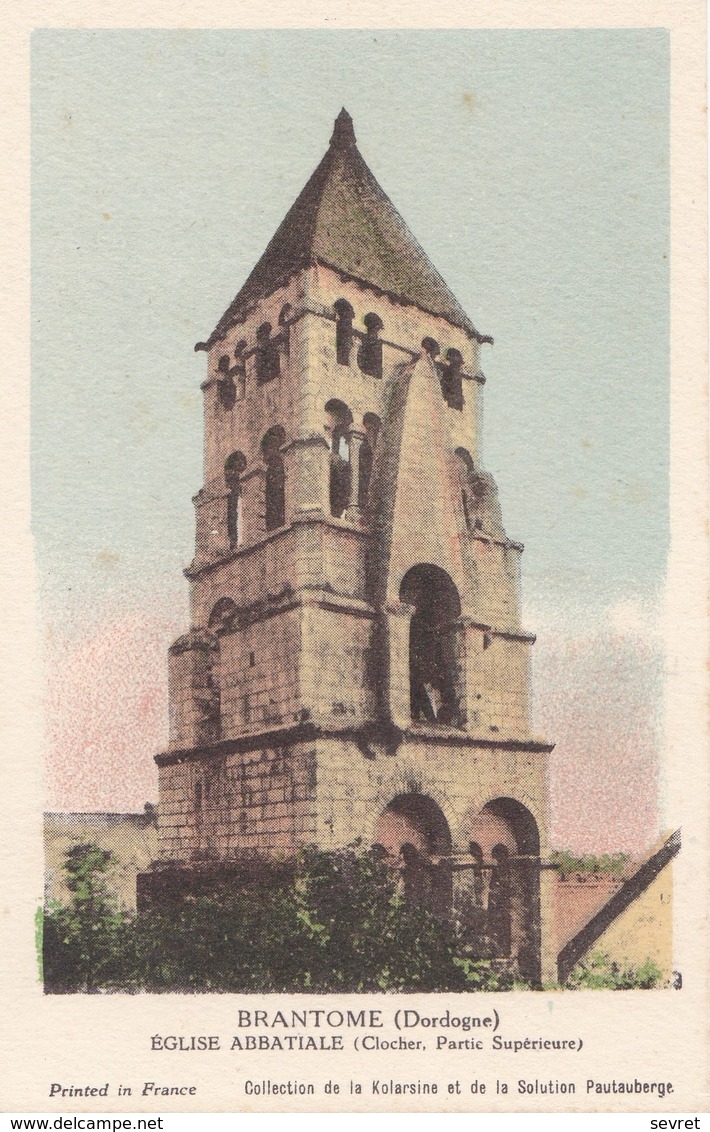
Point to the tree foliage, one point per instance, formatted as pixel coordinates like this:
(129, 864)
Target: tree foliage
(589, 864)
(340, 924)
(82, 941)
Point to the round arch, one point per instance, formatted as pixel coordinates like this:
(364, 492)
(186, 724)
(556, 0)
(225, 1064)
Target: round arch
(519, 821)
(223, 613)
(414, 819)
(414, 833)
(507, 835)
(435, 674)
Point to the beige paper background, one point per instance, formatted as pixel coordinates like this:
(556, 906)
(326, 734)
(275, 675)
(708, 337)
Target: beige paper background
(656, 1036)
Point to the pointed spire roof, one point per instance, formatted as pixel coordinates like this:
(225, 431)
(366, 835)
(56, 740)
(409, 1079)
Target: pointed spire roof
(343, 220)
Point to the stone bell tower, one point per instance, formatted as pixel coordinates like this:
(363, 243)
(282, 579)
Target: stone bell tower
(356, 667)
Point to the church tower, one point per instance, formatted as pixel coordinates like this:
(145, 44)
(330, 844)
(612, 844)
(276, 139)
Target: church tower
(356, 668)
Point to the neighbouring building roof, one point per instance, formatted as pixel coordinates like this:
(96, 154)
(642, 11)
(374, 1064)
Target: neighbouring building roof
(629, 891)
(343, 220)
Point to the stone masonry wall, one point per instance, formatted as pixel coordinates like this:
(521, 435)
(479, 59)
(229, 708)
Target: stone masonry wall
(254, 804)
(310, 377)
(355, 786)
(322, 553)
(258, 674)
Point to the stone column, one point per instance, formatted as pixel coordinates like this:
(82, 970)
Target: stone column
(473, 645)
(355, 440)
(398, 620)
(193, 691)
(252, 488)
(548, 956)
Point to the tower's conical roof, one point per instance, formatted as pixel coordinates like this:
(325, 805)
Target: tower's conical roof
(344, 220)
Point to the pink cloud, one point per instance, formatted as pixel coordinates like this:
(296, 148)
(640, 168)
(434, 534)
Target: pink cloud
(598, 698)
(106, 714)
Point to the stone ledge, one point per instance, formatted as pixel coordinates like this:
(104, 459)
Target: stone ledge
(363, 736)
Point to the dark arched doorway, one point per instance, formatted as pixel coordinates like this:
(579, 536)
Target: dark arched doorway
(434, 669)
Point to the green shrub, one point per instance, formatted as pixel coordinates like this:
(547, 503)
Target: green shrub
(342, 925)
(589, 864)
(84, 941)
(599, 972)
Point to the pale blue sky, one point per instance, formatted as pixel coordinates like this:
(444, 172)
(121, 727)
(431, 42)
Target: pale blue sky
(533, 168)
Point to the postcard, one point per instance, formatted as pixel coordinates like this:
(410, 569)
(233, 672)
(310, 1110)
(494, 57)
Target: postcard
(355, 703)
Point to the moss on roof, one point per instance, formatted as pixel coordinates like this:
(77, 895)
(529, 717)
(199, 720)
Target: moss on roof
(344, 220)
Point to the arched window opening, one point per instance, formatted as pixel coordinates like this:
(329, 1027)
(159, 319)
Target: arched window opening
(522, 836)
(275, 479)
(285, 317)
(434, 671)
(367, 456)
(268, 361)
(338, 420)
(238, 372)
(510, 841)
(431, 347)
(344, 315)
(227, 389)
(369, 356)
(222, 616)
(451, 380)
(228, 392)
(414, 831)
(234, 465)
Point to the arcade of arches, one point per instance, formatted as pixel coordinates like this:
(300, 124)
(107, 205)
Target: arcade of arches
(491, 887)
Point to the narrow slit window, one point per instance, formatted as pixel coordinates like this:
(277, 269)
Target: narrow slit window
(369, 356)
(268, 361)
(344, 315)
(338, 420)
(275, 479)
(452, 381)
(367, 456)
(234, 465)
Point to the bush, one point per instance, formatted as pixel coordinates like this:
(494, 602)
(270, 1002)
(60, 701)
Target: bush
(589, 864)
(342, 925)
(83, 941)
(599, 972)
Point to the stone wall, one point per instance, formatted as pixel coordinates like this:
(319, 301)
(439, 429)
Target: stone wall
(253, 804)
(293, 695)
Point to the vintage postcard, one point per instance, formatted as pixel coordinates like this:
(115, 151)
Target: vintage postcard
(356, 618)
